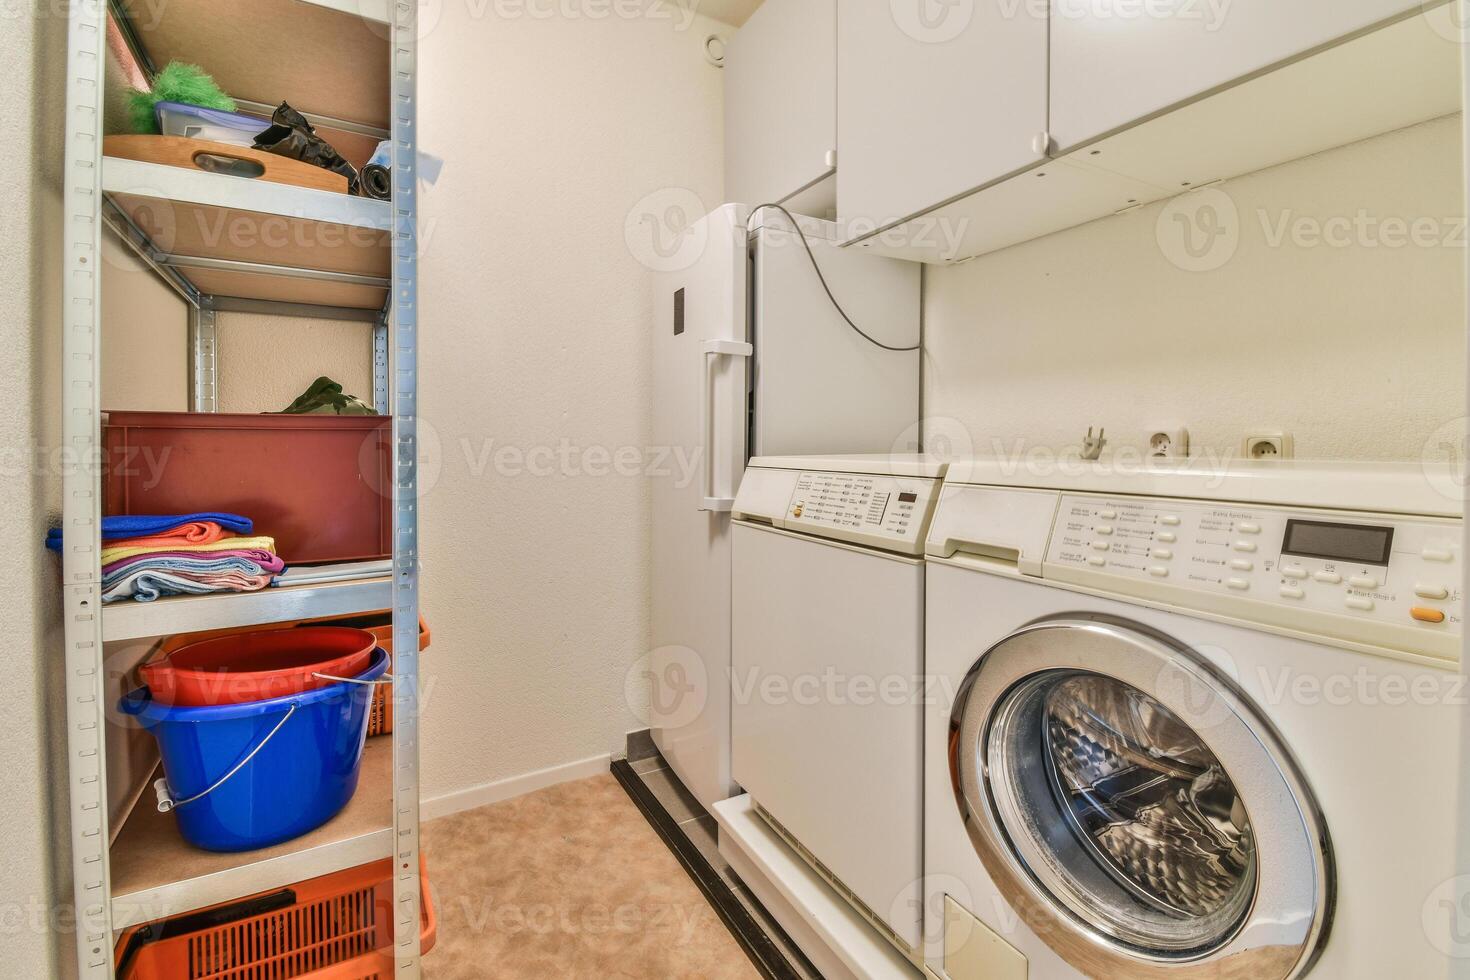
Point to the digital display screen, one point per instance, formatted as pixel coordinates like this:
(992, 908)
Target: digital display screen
(1357, 543)
(907, 498)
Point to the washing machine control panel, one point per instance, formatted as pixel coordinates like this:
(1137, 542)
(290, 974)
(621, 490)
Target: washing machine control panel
(1381, 580)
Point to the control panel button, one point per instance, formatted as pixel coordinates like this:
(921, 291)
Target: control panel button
(1356, 602)
(1238, 584)
(1294, 571)
(1104, 529)
(1363, 582)
(1248, 528)
(1424, 615)
(1100, 546)
(1438, 554)
(1243, 565)
(1292, 592)
(1162, 554)
(1431, 591)
(1159, 571)
(1167, 537)
(1246, 546)
(1170, 520)
(1096, 560)
(1108, 515)
(1331, 578)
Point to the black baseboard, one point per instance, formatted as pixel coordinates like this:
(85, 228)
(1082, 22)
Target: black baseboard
(758, 945)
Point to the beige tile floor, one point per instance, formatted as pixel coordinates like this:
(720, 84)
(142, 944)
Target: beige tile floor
(569, 882)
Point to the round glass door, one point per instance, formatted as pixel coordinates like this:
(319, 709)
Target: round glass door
(1113, 783)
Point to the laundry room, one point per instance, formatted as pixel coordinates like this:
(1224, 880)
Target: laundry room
(703, 489)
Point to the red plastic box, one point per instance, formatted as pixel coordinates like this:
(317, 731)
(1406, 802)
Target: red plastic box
(321, 485)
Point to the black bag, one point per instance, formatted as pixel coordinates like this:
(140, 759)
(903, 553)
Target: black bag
(292, 136)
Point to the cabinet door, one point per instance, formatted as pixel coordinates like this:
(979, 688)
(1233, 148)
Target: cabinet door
(934, 99)
(1114, 63)
(780, 100)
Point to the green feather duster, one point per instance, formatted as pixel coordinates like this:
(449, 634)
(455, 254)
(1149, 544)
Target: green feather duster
(178, 82)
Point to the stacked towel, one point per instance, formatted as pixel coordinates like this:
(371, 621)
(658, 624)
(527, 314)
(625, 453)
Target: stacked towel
(186, 554)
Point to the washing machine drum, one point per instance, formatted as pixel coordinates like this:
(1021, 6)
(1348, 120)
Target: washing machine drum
(1136, 809)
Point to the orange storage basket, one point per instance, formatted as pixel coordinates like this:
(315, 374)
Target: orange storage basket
(337, 927)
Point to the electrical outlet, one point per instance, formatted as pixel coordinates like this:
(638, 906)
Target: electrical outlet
(1169, 444)
(1275, 446)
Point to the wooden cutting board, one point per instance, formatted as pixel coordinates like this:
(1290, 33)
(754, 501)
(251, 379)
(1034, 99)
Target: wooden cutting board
(234, 161)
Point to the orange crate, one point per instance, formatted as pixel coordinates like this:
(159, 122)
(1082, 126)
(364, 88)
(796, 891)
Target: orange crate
(335, 927)
(380, 624)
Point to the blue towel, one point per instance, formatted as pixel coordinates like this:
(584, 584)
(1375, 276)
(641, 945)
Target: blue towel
(143, 525)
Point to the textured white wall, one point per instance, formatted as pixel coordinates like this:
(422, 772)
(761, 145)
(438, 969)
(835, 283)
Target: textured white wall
(266, 361)
(534, 331)
(33, 804)
(1357, 350)
(145, 348)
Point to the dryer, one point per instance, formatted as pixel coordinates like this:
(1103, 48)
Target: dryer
(1192, 723)
(827, 655)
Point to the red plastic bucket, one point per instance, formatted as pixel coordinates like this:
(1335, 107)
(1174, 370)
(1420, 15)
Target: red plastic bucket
(257, 666)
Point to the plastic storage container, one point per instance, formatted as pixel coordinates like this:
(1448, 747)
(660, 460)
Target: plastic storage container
(257, 665)
(380, 624)
(321, 485)
(336, 927)
(196, 122)
(244, 776)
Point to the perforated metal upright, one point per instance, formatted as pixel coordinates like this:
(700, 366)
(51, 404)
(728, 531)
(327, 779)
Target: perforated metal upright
(403, 325)
(395, 388)
(86, 742)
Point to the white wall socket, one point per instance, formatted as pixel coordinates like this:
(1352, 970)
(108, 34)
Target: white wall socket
(1276, 445)
(1168, 443)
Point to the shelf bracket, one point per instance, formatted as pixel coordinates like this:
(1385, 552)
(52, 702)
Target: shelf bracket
(380, 365)
(203, 357)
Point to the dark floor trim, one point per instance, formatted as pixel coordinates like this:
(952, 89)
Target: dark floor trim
(763, 952)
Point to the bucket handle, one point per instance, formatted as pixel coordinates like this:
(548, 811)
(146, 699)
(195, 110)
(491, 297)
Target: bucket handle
(166, 802)
(385, 679)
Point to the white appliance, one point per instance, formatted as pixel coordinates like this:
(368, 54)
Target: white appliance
(1197, 723)
(751, 356)
(827, 651)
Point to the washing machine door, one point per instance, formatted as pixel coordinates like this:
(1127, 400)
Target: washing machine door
(1137, 811)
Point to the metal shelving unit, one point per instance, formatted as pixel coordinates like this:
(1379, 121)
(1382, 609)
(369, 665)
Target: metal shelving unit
(283, 250)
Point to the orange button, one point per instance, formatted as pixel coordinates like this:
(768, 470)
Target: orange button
(1425, 615)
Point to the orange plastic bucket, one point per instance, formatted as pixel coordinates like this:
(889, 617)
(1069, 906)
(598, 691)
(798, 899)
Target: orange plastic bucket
(258, 665)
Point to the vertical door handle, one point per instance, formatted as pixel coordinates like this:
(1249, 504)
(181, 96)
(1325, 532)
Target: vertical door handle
(713, 349)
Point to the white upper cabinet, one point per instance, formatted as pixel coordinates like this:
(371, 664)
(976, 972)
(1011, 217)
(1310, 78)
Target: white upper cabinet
(781, 100)
(1114, 62)
(934, 99)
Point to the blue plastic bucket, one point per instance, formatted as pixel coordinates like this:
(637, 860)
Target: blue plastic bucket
(243, 776)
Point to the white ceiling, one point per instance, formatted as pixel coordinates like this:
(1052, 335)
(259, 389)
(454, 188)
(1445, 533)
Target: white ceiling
(733, 12)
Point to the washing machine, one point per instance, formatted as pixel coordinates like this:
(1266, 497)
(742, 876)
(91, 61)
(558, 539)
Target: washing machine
(1192, 723)
(827, 643)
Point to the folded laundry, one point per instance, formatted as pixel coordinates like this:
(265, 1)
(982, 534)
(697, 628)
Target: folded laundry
(147, 585)
(248, 562)
(199, 532)
(123, 550)
(145, 525)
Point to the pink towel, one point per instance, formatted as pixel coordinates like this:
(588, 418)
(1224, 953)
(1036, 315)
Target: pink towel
(267, 561)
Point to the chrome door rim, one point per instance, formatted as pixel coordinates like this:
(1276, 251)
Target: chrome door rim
(1286, 922)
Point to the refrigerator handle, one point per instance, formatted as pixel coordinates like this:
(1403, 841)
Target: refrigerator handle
(713, 349)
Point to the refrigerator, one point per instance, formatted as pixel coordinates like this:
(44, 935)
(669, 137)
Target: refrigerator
(752, 359)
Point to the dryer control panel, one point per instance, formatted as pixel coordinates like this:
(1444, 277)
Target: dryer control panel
(1381, 580)
(877, 510)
